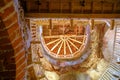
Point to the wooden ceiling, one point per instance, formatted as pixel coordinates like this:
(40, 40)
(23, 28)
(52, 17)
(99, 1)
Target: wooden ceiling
(72, 7)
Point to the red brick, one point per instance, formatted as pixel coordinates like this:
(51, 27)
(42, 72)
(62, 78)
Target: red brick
(12, 36)
(7, 12)
(4, 40)
(18, 32)
(20, 75)
(15, 35)
(10, 66)
(2, 3)
(2, 25)
(22, 60)
(7, 74)
(18, 48)
(10, 20)
(6, 55)
(22, 67)
(19, 55)
(12, 28)
(3, 33)
(17, 41)
(6, 47)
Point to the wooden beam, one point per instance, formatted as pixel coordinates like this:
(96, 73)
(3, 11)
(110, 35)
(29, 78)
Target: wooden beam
(92, 24)
(112, 24)
(71, 22)
(60, 15)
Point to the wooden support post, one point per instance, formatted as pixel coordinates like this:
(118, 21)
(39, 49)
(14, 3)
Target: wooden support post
(92, 24)
(71, 22)
(112, 24)
(50, 24)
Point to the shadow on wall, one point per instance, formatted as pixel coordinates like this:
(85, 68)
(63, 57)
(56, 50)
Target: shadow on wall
(7, 61)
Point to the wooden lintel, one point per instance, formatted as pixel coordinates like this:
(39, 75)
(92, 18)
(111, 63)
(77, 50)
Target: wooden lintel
(60, 15)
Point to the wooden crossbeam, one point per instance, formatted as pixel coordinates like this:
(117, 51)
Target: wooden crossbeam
(71, 15)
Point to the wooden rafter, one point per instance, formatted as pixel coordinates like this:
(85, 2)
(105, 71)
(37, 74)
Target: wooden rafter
(57, 15)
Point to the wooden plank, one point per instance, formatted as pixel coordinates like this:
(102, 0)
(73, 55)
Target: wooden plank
(58, 15)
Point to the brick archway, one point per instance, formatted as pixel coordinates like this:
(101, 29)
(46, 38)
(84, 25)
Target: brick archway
(12, 49)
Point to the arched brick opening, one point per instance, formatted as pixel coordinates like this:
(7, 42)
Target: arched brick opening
(12, 48)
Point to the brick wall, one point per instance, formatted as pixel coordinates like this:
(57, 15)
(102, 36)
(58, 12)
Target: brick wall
(12, 49)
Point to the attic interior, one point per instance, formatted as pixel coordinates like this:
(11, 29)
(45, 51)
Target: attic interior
(60, 40)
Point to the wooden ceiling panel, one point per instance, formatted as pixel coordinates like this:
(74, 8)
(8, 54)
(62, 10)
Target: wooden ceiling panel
(97, 6)
(55, 5)
(71, 6)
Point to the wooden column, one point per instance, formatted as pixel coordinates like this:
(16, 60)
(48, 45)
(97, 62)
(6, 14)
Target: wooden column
(92, 24)
(50, 26)
(71, 22)
(112, 24)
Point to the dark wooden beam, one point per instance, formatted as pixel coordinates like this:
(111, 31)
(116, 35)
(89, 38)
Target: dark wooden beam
(58, 15)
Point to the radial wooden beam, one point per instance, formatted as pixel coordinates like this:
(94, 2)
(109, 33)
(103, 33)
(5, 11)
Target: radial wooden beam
(52, 42)
(64, 47)
(69, 47)
(57, 15)
(76, 40)
(73, 44)
(59, 48)
(56, 45)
